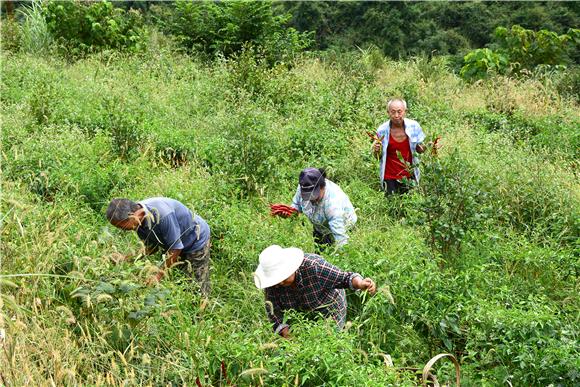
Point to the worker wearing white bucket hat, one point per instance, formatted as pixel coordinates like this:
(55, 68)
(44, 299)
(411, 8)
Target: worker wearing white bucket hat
(292, 279)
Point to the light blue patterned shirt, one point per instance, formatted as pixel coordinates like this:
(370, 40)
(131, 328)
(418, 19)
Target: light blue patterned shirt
(416, 137)
(333, 214)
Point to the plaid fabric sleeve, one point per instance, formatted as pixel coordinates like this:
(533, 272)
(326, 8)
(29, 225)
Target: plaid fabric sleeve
(275, 314)
(331, 277)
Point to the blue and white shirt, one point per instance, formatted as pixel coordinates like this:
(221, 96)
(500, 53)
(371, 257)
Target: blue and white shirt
(170, 225)
(333, 214)
(416, 137)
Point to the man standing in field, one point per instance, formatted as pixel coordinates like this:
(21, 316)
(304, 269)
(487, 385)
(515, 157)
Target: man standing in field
(292, 279)
(398, 141)
(166, 224)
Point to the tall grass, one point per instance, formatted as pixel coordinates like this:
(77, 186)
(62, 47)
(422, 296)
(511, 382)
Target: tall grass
(156, 124)
(34, 34)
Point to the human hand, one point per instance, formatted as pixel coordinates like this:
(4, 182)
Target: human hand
(377, 142)
(154, 279)
(435, 146)
(365, 284)
(117, 258)
(285, 332)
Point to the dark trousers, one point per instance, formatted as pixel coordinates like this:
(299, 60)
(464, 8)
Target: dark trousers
(398, 187)
(322, 240)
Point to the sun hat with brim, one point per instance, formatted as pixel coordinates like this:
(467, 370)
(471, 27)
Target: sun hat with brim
(277, 264)
(310, 180)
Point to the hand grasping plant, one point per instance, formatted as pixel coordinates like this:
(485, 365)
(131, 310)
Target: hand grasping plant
(364, 284)
(377, 143)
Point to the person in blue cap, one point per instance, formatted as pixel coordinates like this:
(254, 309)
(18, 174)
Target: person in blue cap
(324, 204)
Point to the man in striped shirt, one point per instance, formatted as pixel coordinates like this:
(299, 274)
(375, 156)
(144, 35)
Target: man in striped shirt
(304, 282)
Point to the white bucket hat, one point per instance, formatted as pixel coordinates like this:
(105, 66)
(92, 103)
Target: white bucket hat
(277, 264)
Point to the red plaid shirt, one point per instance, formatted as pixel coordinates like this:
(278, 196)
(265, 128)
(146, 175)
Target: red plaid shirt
(319, 287)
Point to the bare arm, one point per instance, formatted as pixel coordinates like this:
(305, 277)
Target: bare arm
(172, 258)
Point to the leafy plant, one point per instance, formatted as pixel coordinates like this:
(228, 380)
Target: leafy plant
(125, 123)
(42, 100)
(225, 28)
(245, 151)
(527, 49)
(519, 50)
(10, 34)
(482, 63)
(85, 26)
(453, 203)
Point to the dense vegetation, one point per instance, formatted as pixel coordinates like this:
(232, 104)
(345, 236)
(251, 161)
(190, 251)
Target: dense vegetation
(481, 260)
(408, 28)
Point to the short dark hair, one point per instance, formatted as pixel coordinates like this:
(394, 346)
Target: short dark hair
(322, 182)
(121, 209)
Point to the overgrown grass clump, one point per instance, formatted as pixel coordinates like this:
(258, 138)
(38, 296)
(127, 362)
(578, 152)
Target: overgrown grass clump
(480, 260)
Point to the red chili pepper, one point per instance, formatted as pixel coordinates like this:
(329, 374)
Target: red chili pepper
(282, 210)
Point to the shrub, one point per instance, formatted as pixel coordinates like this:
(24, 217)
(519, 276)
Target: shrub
(61, 161)
(312, 360)
(125, 123)
(10, 35)
(82, 27)
(225, 28)
(568, 84)
(245, 152)
(527, 49)
(42, 99)
(519, 50)
(482, 63)
(524, 344)
(454, 203)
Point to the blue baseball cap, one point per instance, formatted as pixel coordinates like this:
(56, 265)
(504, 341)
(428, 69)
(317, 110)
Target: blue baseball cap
(310, 181)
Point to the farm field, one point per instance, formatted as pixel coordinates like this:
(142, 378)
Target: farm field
(480, 260)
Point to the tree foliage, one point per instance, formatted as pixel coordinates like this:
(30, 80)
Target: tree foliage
(226, 27)
(81, 27)
(519, 50)
(401, 29)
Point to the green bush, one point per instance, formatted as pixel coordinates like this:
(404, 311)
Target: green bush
(482, 63)
(244, 151)
(10, 35)
(454, 203)
(82, 27)
(568, 84)
(62, 161)
(125, 123)
(523, 344)
(527, 49)
(519, 50)
(42, 99)
(225, 28)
